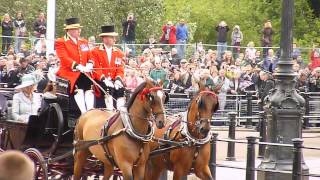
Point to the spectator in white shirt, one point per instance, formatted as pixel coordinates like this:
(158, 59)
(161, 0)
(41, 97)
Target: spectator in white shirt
(250, 51)
(41, 46)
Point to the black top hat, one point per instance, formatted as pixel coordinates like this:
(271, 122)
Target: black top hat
(108, 31)
(72, 23)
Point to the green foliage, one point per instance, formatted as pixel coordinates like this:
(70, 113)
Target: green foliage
(249, 15)
(95, 13)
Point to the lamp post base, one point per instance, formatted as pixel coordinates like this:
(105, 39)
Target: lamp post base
(279, 166)
(277, 176)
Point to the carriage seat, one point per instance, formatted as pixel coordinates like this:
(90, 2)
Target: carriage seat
(49, 98)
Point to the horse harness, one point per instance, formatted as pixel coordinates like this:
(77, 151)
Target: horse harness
(185, 139)
(184, 132)
(128, 129)
(104, 133)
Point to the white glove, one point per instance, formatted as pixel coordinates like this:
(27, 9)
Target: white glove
(108, 83)
(118, 84)
(89, 67)
(81, 68)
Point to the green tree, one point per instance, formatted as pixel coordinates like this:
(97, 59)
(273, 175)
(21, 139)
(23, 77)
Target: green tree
(250, 15)
(95, 13)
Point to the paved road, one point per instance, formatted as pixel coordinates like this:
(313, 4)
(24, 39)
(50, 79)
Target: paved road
(312, 157)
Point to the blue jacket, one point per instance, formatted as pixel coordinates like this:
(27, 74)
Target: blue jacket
(268, 65)
(182, 32)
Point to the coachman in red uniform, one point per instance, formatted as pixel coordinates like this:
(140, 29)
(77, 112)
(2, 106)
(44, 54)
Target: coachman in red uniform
(75, 64)
(110, 60)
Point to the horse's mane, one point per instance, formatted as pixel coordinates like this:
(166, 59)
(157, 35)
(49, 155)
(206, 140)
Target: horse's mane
(134, 94)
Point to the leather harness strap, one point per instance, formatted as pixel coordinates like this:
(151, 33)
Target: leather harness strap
(139, 155)
(170, 129)
(106, 127)
(196, 153)
(105, 130)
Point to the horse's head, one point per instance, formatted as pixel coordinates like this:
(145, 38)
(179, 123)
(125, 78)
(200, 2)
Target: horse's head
(202, 107)
(153, 98)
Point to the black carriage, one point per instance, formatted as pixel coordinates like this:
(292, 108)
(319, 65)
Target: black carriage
(47, 137)
(44, 131)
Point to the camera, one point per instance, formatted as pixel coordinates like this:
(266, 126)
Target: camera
(130, 17)
(164, 52)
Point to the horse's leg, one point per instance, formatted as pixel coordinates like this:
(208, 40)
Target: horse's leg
(153, 169)
(80, 158)
(181, 164)
(126, 169)
(178, 171)
(177, 174)
(139, 171)
(201, 168)
(108, 170)
(155, 175)
(204, 173)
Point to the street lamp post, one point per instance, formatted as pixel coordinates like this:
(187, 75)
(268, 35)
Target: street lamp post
(284, 108)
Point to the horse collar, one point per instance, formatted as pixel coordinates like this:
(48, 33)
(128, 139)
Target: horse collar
(126, 121)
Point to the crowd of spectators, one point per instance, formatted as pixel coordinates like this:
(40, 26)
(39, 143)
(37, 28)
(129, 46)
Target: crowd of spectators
(224, 69)
(16, 28)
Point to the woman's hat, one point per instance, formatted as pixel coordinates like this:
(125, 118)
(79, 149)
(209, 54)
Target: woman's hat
(108, 31)
(72, 23)
(27, 80)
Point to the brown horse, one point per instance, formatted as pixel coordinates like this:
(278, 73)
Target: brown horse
(196, 131)
(129, 149)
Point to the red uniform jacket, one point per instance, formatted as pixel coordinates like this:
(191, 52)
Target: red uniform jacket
(70, 55)
(113, 69)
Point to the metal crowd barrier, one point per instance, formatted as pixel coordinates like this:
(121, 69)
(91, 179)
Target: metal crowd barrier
(247, 108)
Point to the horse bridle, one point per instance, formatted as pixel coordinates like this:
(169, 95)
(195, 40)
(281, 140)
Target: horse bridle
(200, 120)
(147, 91)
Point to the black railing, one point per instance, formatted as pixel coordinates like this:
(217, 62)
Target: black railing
(250, 168)
(246, 107)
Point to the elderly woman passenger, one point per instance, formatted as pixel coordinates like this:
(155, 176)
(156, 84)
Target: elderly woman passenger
(26, 102)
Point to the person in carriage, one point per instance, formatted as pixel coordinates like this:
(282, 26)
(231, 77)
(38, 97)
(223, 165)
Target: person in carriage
(76, 66)
(109, 61)
(26, 102)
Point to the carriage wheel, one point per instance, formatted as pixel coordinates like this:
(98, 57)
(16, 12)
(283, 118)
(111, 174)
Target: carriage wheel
(57, 112)
(41, 170)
